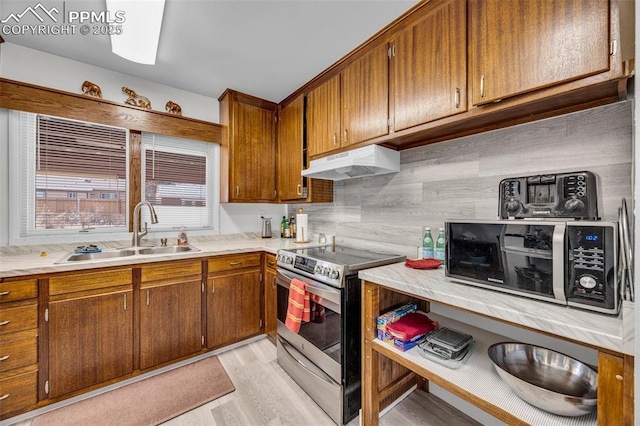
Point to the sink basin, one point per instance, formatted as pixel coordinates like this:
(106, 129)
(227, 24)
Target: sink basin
(130, 251)
(166, 250)
(107, 254)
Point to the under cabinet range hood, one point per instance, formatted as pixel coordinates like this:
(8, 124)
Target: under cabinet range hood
(366, 161)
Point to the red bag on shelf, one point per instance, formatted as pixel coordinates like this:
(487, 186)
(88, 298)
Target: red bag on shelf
(410, 326)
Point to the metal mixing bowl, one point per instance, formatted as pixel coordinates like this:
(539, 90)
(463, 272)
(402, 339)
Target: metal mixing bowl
(546, 379)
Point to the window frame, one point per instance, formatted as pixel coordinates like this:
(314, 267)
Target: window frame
(23, 192)
(189, 147)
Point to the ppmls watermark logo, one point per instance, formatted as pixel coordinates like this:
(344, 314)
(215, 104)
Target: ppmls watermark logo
(57, 20)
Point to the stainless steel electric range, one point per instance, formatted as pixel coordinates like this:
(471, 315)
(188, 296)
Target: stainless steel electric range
(324, 356)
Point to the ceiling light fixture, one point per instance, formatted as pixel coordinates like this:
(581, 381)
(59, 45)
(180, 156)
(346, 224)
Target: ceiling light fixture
(138, 41)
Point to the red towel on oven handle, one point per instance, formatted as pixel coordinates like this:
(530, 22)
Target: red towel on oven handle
(298, 307)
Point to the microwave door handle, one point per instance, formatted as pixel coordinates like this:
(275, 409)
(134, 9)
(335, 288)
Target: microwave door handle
(558, 265)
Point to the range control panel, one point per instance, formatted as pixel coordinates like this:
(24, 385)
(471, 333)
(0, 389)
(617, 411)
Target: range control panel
(591, 269)
(325, 272)
(567, 195)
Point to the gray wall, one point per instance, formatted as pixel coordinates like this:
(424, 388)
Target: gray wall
(459, 178)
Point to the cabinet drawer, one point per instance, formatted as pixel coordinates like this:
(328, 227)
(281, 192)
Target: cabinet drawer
(183, 271)
(18, 392)
(18, 349)
(18, 318)
(225, 263)
(270, 261)
(18, 290)
(71, 283)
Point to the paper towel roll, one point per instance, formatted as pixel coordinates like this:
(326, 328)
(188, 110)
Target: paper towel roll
(302, 227)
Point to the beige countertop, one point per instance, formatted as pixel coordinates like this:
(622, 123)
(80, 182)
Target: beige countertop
(615, 333)
(22, 261)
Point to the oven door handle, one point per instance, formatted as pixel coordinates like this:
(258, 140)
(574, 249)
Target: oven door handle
(330, 294)
(322, 376)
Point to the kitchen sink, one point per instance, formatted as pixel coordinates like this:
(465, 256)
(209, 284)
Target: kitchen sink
(166, 250)
(126, 252)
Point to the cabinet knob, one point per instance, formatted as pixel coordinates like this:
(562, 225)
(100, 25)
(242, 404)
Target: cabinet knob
(5, 396)
(4, 293)
(482, 78)
(346, 136)
(5, 322)
(237, 191)
(335, 139)
(619, 377)
(299, 189)
(4, 358)
(457, 97)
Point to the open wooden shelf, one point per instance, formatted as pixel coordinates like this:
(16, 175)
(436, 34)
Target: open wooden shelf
(477, 381)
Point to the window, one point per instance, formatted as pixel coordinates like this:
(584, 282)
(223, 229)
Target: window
(61, 167)
(179, 180)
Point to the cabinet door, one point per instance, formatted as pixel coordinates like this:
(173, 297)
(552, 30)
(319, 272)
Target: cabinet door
(365, 97)
(233, 307)
(170, 322)
(270, 304)
(519, 46)
(429, 63)
(254, 154)
(323, 117)
(290, 150)
(90, 341)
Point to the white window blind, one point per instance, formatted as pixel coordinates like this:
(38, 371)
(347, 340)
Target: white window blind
(64, 167)
(179, 180)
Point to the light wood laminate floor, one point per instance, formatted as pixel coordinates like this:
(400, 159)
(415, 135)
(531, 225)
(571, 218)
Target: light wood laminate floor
(266, 395)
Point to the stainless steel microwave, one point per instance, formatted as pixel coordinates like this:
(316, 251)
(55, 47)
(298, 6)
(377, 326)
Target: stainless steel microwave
(571, 263)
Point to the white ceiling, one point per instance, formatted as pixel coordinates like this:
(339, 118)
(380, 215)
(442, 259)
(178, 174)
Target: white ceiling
(266, 48)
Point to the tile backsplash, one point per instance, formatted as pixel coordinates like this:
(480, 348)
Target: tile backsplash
(459, 178)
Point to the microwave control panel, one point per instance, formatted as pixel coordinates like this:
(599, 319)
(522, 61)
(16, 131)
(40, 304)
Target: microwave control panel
(567, 195)
(591, 269)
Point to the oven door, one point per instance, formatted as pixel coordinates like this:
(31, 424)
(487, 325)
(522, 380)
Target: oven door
(319, 340)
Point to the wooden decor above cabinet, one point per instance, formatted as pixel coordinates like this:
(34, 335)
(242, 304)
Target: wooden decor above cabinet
(248, 149)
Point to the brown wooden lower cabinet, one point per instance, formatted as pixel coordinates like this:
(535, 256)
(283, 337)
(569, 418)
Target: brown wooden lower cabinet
(234, 308)
(380, 381)
(170, 306)
(90, 340)
(19, 390)
(270, 293)
(104, 325)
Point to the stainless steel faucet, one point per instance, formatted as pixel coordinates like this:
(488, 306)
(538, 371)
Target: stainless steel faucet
(137, 234)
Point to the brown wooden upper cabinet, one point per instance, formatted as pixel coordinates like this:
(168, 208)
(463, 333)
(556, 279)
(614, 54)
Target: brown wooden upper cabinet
(520, 46)
(428, 60)
(351, 107)
(290, 150)
(293, 158)
(248, 150)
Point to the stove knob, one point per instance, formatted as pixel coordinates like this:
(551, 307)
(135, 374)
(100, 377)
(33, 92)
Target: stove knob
(279, 257)
(289, 260)
(317, 270)
(334, 274)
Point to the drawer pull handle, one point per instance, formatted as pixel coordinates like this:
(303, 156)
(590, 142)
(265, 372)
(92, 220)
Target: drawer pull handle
(482, 78)
(271, 263)
(5, 396)
(4, 358)
(5, 322)
(5, 293)
(235, 263)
